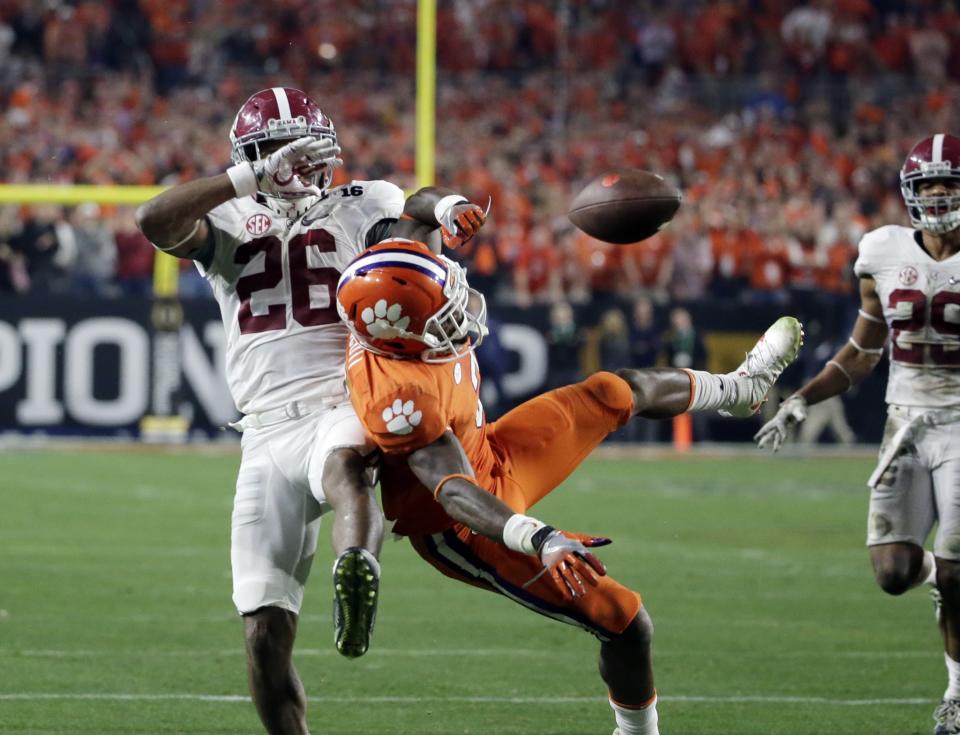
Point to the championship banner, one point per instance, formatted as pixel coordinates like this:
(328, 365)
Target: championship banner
(151, 369)
(96, 367)
(135, 367)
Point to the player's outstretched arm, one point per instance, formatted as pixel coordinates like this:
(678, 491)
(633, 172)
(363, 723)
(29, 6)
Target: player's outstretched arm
(174, 219)
(443, 465)
(434, 207)
(850, 366)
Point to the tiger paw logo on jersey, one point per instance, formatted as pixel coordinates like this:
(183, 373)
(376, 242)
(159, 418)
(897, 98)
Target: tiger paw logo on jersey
(401, 418)
(384, 322)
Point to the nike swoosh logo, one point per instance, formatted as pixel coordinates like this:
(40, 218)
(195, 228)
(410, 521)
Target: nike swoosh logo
(307, 222)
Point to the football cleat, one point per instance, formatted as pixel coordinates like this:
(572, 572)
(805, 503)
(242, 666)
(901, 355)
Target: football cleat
(947, 717)
(755, 376)
(356, 586)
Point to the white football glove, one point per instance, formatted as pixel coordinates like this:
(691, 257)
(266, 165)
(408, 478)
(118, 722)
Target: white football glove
(325, 153)
(279, 174)
(791, 412)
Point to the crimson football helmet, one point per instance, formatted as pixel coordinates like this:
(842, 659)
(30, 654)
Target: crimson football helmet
(401, 300)
(936, 157)
(280, 114)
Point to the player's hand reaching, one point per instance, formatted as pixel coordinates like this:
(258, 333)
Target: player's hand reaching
(571, 566)
(461, 222)
(279, 174)
(791, 412)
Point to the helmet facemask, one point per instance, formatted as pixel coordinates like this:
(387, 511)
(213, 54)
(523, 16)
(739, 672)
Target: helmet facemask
(460, 325)
(251, 147)
(935, 214)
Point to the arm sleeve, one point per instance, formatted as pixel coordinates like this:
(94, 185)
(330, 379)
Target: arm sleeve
(379, 231)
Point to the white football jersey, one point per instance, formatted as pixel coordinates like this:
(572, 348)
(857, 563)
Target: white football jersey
(275, 281)
(921, 305)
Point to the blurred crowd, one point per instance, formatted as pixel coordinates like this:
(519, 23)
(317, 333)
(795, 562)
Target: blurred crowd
(784, 124)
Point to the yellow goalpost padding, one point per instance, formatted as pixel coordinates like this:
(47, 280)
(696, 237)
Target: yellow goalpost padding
(72, 194)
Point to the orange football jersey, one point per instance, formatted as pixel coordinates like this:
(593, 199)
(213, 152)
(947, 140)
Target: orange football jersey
(405, 405)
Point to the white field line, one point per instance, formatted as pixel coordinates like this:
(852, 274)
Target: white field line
(417, 700)
(229, 445)
(411, 653)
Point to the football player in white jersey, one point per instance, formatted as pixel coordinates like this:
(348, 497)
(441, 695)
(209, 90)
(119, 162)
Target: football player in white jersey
(272, 238)
(910, 292)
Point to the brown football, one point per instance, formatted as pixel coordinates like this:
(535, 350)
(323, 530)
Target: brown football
(624, 205)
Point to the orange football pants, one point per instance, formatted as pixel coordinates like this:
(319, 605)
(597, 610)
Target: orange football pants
(541, 442)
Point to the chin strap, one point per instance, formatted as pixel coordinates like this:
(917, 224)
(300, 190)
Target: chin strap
(292, 209)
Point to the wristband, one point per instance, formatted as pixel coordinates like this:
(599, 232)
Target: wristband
(843, 370)
(518, 533)
(541, 537)
(865, 350)
(870, 317)
(441, 209)
(243, 178)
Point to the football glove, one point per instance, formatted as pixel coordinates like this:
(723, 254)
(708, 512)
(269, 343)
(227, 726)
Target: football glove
(792, 411)
(279, 174)
(570, 565)
(325, 154)
(461, 222)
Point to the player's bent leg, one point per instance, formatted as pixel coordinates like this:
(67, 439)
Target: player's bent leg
(358, 522)
(626, 665)
(357, 538)
(274, 684)
(947, 714)
(626, 662)
(898, 566)
(662, 393)
(948, 582)
(658, 393)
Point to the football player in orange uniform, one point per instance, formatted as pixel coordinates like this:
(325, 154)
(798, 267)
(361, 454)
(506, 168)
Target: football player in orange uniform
(460, 488)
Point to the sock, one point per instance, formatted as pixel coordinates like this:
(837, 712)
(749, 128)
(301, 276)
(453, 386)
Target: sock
(953, 678)
(928, 572)
(634, 721)
(710, 392)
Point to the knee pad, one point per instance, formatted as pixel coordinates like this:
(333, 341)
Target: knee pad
(612, 391)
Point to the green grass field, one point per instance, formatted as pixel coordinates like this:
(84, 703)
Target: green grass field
(115, 612)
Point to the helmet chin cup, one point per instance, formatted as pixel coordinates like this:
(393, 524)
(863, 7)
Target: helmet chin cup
(291, 208)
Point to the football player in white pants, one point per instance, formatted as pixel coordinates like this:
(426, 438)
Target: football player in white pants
(272, 238)
(910, 291)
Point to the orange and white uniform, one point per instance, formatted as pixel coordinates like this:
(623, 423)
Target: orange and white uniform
(405, 405)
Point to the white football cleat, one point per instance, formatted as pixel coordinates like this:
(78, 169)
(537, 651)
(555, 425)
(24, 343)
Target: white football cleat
(947, 717)
(755, 376)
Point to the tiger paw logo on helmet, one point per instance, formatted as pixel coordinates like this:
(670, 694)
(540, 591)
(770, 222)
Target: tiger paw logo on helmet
(384, 321)
(401, 418)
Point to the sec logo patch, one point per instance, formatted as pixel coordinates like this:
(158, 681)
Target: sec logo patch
(909, 276)
(258, 224)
